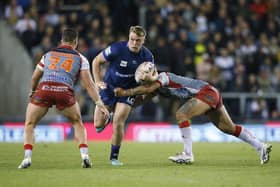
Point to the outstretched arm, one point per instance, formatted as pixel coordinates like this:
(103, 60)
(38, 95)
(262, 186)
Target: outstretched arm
(140, 99)
(139, 90)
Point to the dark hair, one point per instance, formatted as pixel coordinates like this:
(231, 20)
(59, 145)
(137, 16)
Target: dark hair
(69, 35)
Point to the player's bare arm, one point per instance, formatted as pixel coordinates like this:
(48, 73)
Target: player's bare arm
(90, 87)
(96, 70)
(139, 90)
(37, 74)
(140, 99)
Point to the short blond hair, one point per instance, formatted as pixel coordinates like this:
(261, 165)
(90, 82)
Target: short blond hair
(138, 30)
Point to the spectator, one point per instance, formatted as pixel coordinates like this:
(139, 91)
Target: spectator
(52, 17)
(226, 63)
(257, 109)
(13, 12)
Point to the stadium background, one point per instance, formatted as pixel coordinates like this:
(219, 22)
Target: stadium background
(232, 44)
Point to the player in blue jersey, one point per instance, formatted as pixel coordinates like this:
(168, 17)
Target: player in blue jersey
(201, 98)
(52, 84)
(123, 58)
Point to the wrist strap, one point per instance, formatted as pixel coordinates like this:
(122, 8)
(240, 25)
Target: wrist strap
(99, 102)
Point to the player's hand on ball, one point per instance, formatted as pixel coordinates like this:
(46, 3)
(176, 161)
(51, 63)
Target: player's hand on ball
(101, 85)
(119, 92)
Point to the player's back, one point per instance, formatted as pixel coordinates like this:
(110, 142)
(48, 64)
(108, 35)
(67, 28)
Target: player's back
(179, 86)
(61, 65)
(123, 64)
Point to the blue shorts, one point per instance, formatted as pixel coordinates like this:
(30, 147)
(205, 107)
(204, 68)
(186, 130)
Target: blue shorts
(108, 97)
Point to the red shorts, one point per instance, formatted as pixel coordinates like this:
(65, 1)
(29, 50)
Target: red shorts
(50, 93)
(211, 96)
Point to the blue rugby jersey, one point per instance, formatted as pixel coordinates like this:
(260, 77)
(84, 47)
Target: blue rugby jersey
(123, 64)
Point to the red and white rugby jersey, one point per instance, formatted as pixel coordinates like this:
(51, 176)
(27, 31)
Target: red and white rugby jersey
(62, 65)
(179, 86)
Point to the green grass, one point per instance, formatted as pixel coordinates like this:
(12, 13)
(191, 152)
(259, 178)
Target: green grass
(146, 165)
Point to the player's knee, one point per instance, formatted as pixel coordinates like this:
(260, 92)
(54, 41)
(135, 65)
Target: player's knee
(118, 127)
(30, 124)
(75, 118)
(181, 116)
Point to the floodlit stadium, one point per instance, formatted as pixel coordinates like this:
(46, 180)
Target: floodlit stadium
(232, 45)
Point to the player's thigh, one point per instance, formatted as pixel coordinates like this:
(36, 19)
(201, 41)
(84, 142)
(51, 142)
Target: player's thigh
(221, 119)
(121, 113)
(73, 113)
(34, 113)
(193, 107)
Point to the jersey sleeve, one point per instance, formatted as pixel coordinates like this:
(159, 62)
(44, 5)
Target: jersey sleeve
(41, 63)
(110, 52)
(163, 79)
(85, 63)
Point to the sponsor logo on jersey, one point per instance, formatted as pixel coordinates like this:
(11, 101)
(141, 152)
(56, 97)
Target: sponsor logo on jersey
(124, 75)
(123, 63)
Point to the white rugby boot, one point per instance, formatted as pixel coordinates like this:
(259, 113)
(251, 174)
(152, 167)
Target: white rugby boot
(26, 163)
(116, 162)
(86, 163)
(264, 153)
(182, 158)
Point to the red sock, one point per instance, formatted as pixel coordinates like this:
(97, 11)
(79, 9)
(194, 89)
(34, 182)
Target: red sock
(184, 124)
(83, 145)
(238, 129)
(28, 146)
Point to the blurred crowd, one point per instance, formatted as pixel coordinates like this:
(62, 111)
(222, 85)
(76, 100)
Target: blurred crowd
(233, 44)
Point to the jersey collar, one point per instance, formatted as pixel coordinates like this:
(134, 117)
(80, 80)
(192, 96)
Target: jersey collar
(66, 47)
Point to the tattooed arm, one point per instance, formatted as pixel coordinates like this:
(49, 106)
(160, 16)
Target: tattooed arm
(139, 90)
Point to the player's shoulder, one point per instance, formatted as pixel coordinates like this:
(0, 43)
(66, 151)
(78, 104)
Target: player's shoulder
(147, 53)
(163, 78)
(83, 58)
(146, 50)
(119, 45)
(116, 47)
(163, 75)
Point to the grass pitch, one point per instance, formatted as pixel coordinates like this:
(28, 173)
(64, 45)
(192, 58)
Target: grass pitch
(145, 165)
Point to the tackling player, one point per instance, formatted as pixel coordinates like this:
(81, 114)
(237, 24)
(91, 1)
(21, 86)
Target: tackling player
(52, 84)
(123, 58)
(201, 98)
